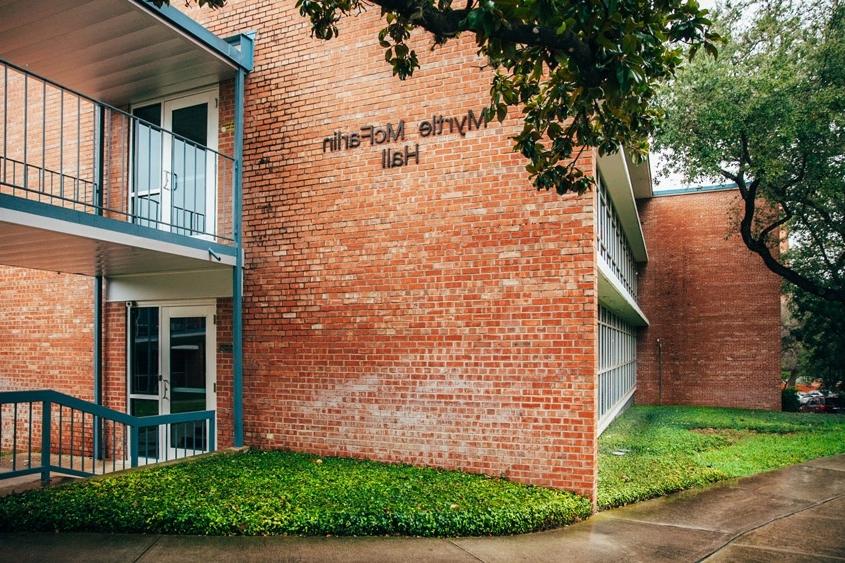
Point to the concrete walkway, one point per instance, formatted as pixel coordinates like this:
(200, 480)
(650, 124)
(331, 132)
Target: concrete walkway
(795, 514)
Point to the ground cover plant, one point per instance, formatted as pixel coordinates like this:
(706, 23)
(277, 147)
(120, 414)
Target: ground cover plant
(663, 450)
(668, 449)
(261, 493)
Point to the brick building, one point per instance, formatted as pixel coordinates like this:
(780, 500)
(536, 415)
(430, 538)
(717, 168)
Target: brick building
(240, 219)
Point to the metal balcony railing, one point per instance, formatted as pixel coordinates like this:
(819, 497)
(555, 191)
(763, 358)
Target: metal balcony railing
(44, 432)
(61, 147)
(612, 244)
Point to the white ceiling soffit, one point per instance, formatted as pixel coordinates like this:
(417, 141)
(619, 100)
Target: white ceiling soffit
(196, 284)
(43, 243)
(111, 50)
(614, 169)
(640, 175)
(616, 298)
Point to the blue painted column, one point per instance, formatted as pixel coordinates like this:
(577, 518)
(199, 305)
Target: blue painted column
(98, 358)
(99, 159)
(238, 272)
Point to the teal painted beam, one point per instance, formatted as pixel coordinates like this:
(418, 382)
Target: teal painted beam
(193, 29)
(98, 280)
(237, 273)
(98, 359)
(695, 189)
(100, 222)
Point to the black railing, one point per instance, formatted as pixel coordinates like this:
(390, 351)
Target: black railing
(63, 148)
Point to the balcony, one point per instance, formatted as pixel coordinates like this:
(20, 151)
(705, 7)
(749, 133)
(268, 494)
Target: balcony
(619, 242)
(135, 175)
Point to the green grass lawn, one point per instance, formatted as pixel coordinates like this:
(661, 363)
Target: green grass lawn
(668, 449)
(665, 449)
(260, 493)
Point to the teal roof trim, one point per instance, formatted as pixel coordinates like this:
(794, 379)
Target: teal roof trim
(695, 189)
(82, 218)
(237, 50)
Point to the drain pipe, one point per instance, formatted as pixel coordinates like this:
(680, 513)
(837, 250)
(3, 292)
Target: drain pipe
(660, 371)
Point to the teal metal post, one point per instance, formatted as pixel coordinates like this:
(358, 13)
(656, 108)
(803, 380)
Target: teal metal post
(212, 434)
(46, 461)
(98, 360)
(134, 444)
(100, 156)
(238, 278)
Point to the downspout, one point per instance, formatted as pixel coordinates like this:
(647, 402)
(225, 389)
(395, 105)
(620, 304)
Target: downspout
(659, 371)
(237, 273)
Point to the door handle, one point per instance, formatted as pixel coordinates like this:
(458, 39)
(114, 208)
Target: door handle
(164, 389)
(167, 184)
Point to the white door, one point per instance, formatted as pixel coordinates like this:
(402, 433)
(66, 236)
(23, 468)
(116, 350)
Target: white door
(191, 168)
(188, 367)
(173, 185)
(172, 369)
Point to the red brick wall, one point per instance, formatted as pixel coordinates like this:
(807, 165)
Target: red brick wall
(114, 356)
(225, 429)
(56, 132)
(440, 314)
(45, 342)
(713, 305)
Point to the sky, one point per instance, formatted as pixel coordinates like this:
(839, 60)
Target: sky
(665, 182)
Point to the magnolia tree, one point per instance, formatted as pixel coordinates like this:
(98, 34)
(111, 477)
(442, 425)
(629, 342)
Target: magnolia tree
(584, 73)
(769, 115)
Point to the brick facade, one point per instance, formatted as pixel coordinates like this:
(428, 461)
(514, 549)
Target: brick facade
(45, 341)
(713, 305)
(441, 313)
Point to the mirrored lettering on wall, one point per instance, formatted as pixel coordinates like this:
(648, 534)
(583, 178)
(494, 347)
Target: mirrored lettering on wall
(400, 132)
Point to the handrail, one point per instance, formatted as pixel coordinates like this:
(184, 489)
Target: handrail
(101, 417)
(79, 151)
(110, 107)
(40, 395)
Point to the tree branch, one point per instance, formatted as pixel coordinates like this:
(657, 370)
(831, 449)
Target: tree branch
(764, 234)
(449, 23)
(760, 247)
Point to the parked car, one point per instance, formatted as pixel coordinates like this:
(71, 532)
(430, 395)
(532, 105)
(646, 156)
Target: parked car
(813, 404)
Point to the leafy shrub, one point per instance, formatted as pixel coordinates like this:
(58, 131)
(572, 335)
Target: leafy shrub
(789, 400)
(269, 493)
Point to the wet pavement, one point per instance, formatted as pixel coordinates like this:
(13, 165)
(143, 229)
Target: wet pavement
(793, 514)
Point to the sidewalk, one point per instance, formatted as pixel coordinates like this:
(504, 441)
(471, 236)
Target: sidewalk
(794, 514)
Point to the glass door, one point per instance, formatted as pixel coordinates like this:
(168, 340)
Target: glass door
(172, 369)
(188, 367)
(146, 185)
(189, 164)
(144, 375)
(174, 174)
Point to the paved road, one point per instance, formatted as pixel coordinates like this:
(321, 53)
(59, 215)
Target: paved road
(795, 514)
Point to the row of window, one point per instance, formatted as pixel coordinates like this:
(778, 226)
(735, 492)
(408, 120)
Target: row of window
(617, 360)
(611, 243)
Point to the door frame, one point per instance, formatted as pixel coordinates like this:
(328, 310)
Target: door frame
(194, 308)
(210, 95)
